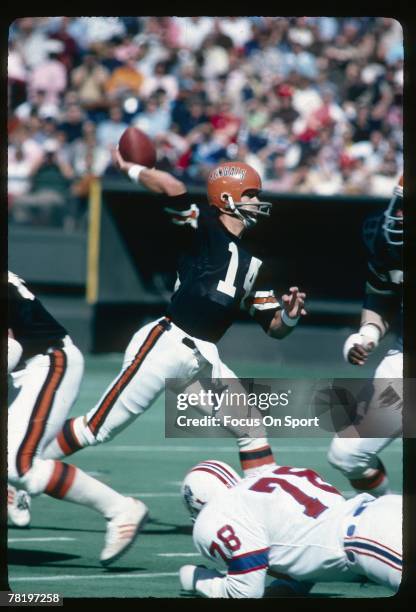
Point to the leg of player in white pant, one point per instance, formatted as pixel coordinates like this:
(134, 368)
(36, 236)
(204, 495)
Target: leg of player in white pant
(255, 454)
(373, 543)
(357, 458)
(156, 352)
(48, 386)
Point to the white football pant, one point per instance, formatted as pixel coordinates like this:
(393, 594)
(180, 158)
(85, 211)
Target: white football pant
(373, 543)
(353, 456)
(47, 388)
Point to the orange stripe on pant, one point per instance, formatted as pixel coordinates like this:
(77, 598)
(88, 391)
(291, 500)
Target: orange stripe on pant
(40, 412)
(107, 403)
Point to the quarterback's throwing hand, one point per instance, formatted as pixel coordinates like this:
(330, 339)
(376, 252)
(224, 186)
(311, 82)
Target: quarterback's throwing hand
(119, 162)
(293, 303)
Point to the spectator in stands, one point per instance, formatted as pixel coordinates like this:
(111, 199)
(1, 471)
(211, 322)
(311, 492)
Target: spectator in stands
(154, 119)
(69, 51)
(110, 130)
(31, 149)
(189, 115)
(309, 97)
(87, 156)
(277, 177)
(19, 171)
(192, 31)
(89, 161)
(49, 75)
(88, 80)
(36, 105)
(225, 122)
(125, 79)
(285, 111)
(30, 37)
(236, 28)
(46, 202)
(160, 80)
(362, 125)
(72, 122)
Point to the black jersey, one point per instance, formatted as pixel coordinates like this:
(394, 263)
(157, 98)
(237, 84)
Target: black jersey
(217, 276)
(384, 285)
(30, 322)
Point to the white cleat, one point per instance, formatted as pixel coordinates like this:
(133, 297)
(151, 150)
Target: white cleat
(122, 530)
(18, 507)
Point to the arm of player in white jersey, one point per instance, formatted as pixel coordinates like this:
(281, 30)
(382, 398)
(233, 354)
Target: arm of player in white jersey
(245, 555)
(236, 584)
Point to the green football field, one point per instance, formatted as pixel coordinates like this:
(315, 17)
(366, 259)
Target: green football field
(59, 552)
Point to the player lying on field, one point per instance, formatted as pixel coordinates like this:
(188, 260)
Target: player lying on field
(217, 277)
(286, 521)
(46, 370)
(357, 458)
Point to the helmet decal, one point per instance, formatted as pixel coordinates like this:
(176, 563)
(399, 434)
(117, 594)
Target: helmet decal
(204, 481)
(227, 184)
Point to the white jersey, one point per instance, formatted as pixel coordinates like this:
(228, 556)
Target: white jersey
(287, 521)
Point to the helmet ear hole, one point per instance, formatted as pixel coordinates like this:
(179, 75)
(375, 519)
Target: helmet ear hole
(224, 197)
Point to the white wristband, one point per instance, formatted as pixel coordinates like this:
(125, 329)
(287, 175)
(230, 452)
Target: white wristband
(134, 172)
(371, 332)
(289, 321)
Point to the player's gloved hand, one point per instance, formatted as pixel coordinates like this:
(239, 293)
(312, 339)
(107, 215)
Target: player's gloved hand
(357, 347)
(190, 574)
(186, 577)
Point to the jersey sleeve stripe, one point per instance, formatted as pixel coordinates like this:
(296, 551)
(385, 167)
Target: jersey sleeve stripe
(264, 300)
(358, 551)
(264, 306)
(249, 562)
(371, 548)
(353, 539)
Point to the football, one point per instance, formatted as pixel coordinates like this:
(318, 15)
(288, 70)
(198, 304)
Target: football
(136, 147)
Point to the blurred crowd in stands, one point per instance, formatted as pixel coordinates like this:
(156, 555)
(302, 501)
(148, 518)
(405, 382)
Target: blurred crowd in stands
(313, 103)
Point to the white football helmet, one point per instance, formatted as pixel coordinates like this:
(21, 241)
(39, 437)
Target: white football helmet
(204, 481)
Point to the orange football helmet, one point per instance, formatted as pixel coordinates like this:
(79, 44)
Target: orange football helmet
(228, 183)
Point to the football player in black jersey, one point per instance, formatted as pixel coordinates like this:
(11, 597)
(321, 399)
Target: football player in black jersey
(46, 370)
(217, 277)
(382, 310)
